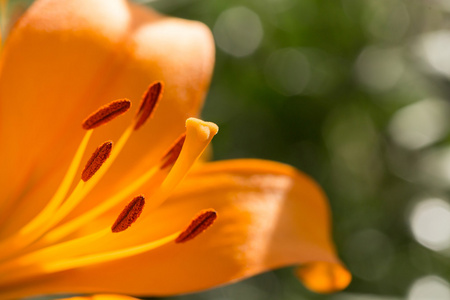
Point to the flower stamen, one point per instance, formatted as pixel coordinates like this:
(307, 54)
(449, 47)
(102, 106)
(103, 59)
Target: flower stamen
(106, 113)
(129, 214)
(198, 136)
(25, 236)
(149, 102)
(56, 210)
(198, 225)
(172, 155)
(97, 159)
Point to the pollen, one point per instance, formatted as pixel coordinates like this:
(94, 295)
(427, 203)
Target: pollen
(129, 214)
(199, 224)
(97, 159)
(106, 113)
(149, 103)
(172, 155)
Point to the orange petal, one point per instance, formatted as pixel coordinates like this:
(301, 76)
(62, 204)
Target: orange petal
(324, 277)
(270, 216)
(64, 59)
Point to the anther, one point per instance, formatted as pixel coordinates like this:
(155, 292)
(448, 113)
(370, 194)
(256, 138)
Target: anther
(129, 214)
(97, 159)
(106, 113)
(172, 155)
(199, 224)
(150, 100)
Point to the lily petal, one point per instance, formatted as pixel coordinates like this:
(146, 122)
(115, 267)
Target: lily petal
(65, 58)
(270, 215)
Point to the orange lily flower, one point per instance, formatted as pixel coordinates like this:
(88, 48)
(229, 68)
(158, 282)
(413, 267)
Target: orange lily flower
(63, 226)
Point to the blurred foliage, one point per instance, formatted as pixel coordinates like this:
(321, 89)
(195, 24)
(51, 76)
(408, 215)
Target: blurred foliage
(329, 86)
(320, 92)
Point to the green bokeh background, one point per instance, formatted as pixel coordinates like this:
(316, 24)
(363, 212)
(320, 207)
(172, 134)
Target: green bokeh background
(323, 91)
(337, 128)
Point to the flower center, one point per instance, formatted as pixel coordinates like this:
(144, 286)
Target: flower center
(42, 245)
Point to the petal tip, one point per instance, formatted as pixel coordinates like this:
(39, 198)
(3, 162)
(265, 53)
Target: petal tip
(324, 277)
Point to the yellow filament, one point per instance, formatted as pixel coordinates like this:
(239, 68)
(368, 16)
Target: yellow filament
(105, 167)
(51, 215)
(90, 215)
(25, 236)
(65, 208)
(78, 262)
(83, 187)
(57, 199)
(109, 256)
(67, 249)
